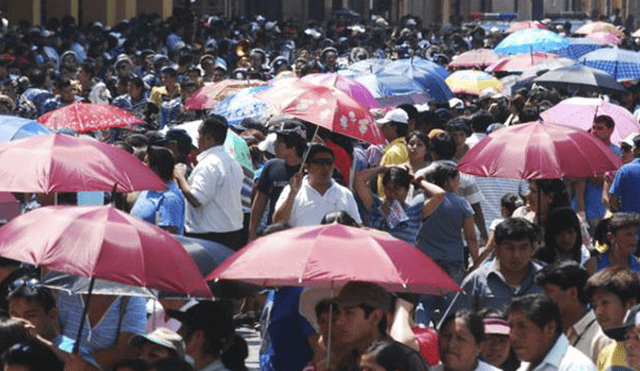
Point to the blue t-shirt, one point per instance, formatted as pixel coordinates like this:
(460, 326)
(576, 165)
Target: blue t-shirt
(285, 346)
(625, 186)
(169, 206)
(407, 230)
(440, 236)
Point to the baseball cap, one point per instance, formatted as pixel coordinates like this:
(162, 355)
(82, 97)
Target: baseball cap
(489, 93)
(161, 336)
(395, 115)
(493, 325)
(267, 145)
(354, 294)
(632, 318)
(291, 127)
(456, 103)
(214, 318)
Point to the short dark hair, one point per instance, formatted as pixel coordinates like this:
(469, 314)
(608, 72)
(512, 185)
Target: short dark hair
(135, 364)
(471, 319)
(32, 355)
(398, 175)
(606, 119)
(538, 308)
(294, 141)
(89, 66)
(38, 294)
(440, 173)
(511, 201)
(565, 274)
(401, 128)
(390, 355)
(216, 126)
(137, 81)
(410, 109)
(620, 221)
(314, 149)
(481, 120)
(161, 161)
(444, 146)
(173, 363)
(515, 229)
(624, 283)
(340, 217)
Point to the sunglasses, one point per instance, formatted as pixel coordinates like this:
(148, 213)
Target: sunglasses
(31, 283)
(321, 161)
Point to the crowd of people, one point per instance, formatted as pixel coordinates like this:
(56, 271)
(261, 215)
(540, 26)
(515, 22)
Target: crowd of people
(548, 267)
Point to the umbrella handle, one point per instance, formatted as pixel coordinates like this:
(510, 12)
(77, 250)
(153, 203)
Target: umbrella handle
(306, 153)
(76, 346)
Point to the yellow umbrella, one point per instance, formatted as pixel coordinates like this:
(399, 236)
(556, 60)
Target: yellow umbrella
(472, 82)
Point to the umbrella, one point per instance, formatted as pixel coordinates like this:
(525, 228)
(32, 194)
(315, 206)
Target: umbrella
(13, 127)
(579, 113)
(521, 62)
(371, 65)
(579, 78)
(476, 58)
(416, 66)
(84, 117)
(622, 64)
(62, 163)
(531, 41)
(472, 82)
(391, 90)
(526, 25)
(212, 94)
(539, 150)
(332, 255)
(353, 88)
(604, 38)
(241, 105)
(592, 27)
(324, 106)
(578, 46)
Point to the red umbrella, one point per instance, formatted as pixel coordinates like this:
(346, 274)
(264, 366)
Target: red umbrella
(526, 25)
(84, 117)
(212, 94)
(477, 58)
(353, 88)
(324, 106)
(539, 150)
(522, 62)
(62, 163)
(332, 255)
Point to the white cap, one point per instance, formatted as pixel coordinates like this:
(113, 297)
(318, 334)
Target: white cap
(629, 139)
(395, 115)
(456, 103)
(267, 145)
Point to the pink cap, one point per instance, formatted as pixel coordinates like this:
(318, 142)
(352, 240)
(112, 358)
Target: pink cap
(494, 325)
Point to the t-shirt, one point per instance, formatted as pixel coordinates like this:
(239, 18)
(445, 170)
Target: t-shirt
(274, 177)
(406, 230)
(613, 358)
(166, 209)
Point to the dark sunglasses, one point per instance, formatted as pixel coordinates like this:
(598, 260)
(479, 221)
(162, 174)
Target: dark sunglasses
(321, 161)
(31, 283)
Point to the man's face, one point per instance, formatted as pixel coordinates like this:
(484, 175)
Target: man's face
(496, 349)
(168, 79)
(530, 342)
(279, 147)
(514, 256)
(600, 130)
(609, 309)
(457, 346)
(632, 345)
(33, 312)
(151, 352)
(389, 131)
(134, 91)
(352, 328)
(321, 167)
(558, 295)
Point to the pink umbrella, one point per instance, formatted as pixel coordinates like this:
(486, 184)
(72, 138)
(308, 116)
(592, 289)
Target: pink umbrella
(526, 25)
(521, 62)
(477, 58)
(353, 88)
(62, 163)
(84, 117)
(579, 113)
(538, 150)
(604, 38)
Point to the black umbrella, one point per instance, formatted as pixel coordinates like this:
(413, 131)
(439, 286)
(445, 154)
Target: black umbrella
(577, 77)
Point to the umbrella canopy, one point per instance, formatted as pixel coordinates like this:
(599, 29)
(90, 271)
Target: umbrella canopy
(371, 65)
(332, 255)
(95, 241)
(14, 127)
(391, 90)
(521, 62)
(472, 82)
(592, 27)
(324, 106)
(578, 46)
(526, 25)
(351, 87)
(620, 63)
(417, 66)
(84, 117)
(580, 78)
(62, 163)
(539, 150)
(242, 105)
(212, 94)
(579, 113)
(531, 41)
(604, 38)
(476, 58)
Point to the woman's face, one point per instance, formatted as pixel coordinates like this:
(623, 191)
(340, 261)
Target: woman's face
(460, 137)
(394, 191)
(625, 240)
(566, 240)
(532, 198)
(457, 347)
(417, 149)
(495, 349)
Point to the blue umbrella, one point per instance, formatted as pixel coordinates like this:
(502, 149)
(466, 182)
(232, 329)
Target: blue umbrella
(242, 105)
(578, 46)
(371, 65)
(391, 89)
(531, 41)
(14, 127)
(416, 66)
(620, 63)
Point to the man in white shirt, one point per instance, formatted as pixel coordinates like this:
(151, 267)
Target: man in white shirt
(306, 200)
(214, 208)
(537, 338)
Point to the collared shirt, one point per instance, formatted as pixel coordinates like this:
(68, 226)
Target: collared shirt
(216, 183)
(486, 287)
(583, 332)
(309, 206)
(562, 357)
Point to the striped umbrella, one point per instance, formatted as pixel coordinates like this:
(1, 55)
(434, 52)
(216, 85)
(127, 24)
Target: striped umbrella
(620, 63)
